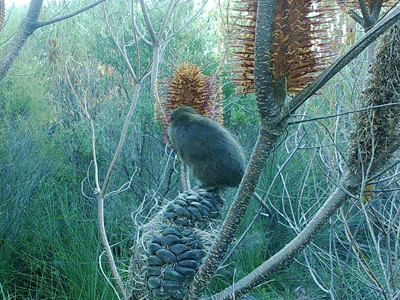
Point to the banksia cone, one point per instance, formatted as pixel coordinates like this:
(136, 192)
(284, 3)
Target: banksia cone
(376, 134)
(173, 246)
(293, 58)
(189, 86)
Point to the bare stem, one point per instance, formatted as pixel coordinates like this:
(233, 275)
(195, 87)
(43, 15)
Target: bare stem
(121, 139)
(67, 16)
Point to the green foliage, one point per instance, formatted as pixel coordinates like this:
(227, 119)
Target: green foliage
(49, 234)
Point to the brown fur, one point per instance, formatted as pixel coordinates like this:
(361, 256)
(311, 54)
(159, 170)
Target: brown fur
(210, 151)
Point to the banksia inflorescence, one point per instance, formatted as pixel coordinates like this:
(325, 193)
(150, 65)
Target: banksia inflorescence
(376, 134)
(293, 55)
(172, 246)
(189, 86)
(245, 32)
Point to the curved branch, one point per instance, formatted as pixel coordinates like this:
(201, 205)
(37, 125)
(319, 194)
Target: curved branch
(148, 23)
(67, 16)
(259, 275)
(123, 54)
(140, 33)
(121, 139)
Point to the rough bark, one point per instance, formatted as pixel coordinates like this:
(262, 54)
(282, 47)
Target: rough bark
(268, 136)
(28, 25)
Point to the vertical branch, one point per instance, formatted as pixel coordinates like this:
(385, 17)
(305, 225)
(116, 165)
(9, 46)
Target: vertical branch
(102, 192)
(265, 144)
(156, 45)
(154, 77)
(121, 139)
(98, 190)
(185, 177)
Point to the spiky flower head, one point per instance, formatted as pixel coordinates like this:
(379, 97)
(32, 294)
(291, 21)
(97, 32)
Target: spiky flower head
(293, 56)
(189, 86)
(243, 50)
(376, 134)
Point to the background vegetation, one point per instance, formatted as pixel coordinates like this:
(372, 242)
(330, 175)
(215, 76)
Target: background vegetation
(49, 241)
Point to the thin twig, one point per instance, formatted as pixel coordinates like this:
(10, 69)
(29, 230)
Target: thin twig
(126, 59)
(67, 16)
(148, 23)
(343, 113)
(122, 138)
(105, 276)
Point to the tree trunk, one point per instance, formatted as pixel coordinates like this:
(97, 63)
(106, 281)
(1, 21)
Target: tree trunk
(28, 25)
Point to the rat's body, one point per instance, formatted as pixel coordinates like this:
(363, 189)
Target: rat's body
(209, 150)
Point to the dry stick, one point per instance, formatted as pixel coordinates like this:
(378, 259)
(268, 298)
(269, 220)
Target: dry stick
(105, 276)
(356, 249)
(122, 138)
(103, 191)
(100, 196)
(311, 119)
